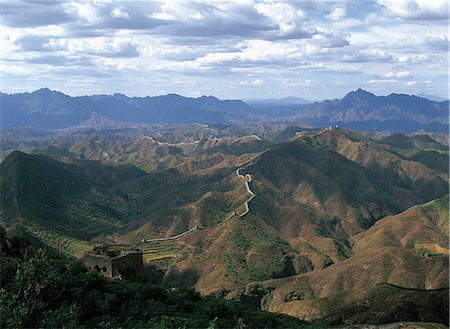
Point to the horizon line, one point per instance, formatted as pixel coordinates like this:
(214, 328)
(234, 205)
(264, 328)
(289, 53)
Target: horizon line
(226, 99)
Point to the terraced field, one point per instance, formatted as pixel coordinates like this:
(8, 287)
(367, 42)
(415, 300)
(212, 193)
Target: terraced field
(94, 221)
(74, 247)
(66, 245)
(159, 250)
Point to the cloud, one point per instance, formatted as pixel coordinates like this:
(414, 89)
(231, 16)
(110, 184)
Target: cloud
(337, 14)
(288, 19)
(262, 20)
(33, 43)
(220, 44)
(380, 81)
(322, 7)
(429, 43)
(123, 50)
(257, 82)
(54, 60)
(400, 75)
(367, 55)
(425, 10)
(410, 83)
(33, 13)
(119, 12)
(298, 83)
(102, 47)
(413, 58)
(329, 40)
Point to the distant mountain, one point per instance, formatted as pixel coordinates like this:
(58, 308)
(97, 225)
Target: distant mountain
(358, 110)
(279, 101)
(45, 108)
(436, 98)
(362, 110)
(278, 107)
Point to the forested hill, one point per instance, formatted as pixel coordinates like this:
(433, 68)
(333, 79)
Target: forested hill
(40, 289)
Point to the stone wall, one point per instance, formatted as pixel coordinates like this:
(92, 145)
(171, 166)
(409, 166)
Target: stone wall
(126, 264)
(100, 264)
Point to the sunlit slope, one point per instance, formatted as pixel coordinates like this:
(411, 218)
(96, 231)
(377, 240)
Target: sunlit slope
(391, 274)
(422, 228)
(312, 197)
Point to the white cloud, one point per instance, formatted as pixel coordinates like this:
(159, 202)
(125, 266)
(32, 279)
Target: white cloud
(179, 11)
(367, 54)
(414, 58)
(337, 14)
(257, 82)
(400, 75)
(119, 13)
(380, 81)
(410, 83)
(84, 10)
(296, 83)
(288, 18)
(288, 44)
(418, 9)
(107, 47)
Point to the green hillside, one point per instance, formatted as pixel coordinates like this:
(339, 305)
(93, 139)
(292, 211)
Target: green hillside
(75, 199)
(48, 291)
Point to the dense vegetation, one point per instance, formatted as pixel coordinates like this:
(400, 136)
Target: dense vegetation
(39, 289)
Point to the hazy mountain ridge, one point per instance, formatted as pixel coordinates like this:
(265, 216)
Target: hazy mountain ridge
(50, 109)
(357, 110)
(361, 106)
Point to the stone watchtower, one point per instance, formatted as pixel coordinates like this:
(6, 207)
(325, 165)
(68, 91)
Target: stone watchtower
(116, 264)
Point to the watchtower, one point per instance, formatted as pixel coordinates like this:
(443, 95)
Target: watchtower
(116, 264)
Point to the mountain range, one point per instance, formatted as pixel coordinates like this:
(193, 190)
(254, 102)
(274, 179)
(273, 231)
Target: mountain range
(341, 228)
(357, 110)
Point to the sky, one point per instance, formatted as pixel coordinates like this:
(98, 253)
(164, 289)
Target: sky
(243, 49)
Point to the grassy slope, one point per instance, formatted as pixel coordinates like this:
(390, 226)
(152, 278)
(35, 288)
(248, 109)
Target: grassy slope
(384, 254)
(77, 200)
(87, 198)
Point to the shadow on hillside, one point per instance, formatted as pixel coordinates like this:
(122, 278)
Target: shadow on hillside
(186, 277)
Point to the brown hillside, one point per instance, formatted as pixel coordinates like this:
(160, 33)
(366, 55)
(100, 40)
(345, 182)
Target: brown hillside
(426, 223)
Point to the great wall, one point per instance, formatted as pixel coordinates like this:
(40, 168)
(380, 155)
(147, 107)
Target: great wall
(151, 249)
(248, 178)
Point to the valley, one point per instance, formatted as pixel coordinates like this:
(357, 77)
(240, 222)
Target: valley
(309, 225)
